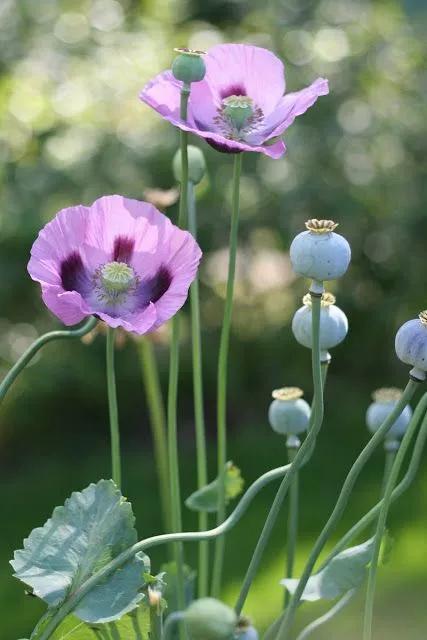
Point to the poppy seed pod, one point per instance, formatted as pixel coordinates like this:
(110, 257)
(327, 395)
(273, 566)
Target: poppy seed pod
(289, 414)
(210, 619)
(245, 630)
(333, 324)
(319, 253)
(196, 164)
(384, 401)
(411, 345)
(189, 66)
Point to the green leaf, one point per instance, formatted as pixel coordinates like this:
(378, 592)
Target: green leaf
(91, 529)
(345, 571)
(133, 626)
(206, 498)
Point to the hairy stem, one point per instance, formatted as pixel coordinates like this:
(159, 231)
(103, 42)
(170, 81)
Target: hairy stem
(63, 334)
(222, 375)
(112, 408)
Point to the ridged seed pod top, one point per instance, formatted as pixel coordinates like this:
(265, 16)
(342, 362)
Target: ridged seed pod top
(319, 253)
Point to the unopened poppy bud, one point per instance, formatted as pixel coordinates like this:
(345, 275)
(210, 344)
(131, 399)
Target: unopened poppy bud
(319, 253)
(196, 164)
(289, 414)
(210, 619)
(384, 401)
(333, 324)
(188, 65)
(411, 345)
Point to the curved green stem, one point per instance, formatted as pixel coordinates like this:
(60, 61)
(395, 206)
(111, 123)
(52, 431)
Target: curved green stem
(143, 545)
(63, 334)
(171, 622)
(404, 484)
(300, 459)
(222, 374)
(313, 626)
(380, 530)
(112, 408)
(150, 376)
(390, 455)
(199, 416)
(339, 508)
(292, 527)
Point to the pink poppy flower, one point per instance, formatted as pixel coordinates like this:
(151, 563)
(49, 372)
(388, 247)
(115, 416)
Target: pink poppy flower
(119, 259)
(239, 105)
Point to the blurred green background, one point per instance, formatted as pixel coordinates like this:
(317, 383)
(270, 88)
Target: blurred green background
(73, 129)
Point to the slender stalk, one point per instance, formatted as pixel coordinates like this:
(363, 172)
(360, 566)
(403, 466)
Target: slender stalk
(174, 476)
(199, 416)
(150, 375)
(63, 334)
(292, 522)
(390, 455)
(381, 525)
(339, 508)
(172, 621)
(300, 459)
(313, 626)
(222, 374)
(112, 408)
(404, 484)
(54, 620)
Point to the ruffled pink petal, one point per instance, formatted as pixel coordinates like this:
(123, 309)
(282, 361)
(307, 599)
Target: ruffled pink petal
(291, 106)
(253, 71)
(60, 237)
(184, 256)
(139, 322)
(68, 306)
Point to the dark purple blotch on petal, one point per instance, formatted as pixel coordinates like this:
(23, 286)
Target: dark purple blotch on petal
(73, 274)
(153, 289)
(223, 147)
(232, 90)
(123, 249)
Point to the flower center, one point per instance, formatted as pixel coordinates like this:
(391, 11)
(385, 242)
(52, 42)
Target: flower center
(114, 280)
(321, 226)
(238, 116)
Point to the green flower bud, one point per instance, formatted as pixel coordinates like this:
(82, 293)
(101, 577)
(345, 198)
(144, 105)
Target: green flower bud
(210, 619)
(196, 164)
(188, 66)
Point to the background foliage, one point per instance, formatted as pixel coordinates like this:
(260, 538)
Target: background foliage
(72, 129)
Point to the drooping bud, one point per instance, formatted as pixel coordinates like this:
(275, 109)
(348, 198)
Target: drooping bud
(196, 164)
(210, 619)
(384, 401)
(319, 253)
(188, 65)
(289, 414)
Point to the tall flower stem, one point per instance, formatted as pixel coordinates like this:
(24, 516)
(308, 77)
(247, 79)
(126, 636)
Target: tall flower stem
(380, 530)
(150, 375)
(173, 458)
(63, 334)
(113, 411)
(292, 527)
(300, 459)
(390, 455)
(222, 375)
(340, 506)
(199, 416)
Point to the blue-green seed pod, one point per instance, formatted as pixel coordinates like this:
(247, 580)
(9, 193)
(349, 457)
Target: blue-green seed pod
(333, 324)
(245, 630)
(289, 414)
(411, 345)
(188, 65)
(210, 619)
(384, 401)
(319, 253)
(196, 164)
